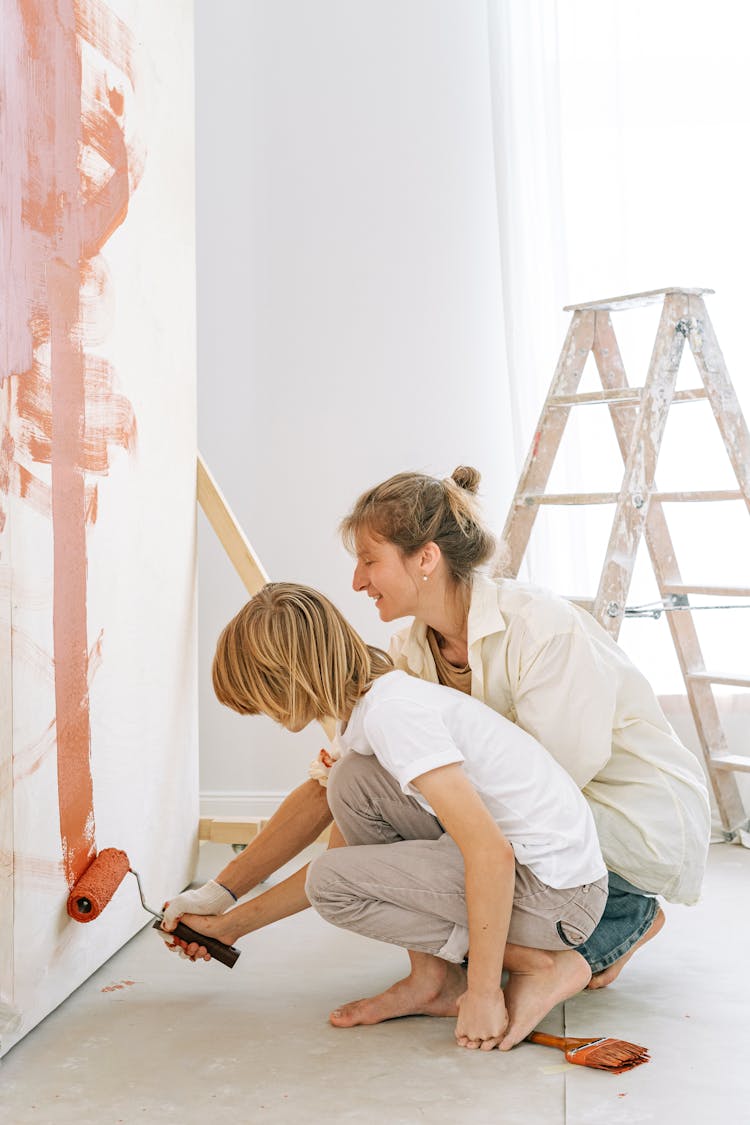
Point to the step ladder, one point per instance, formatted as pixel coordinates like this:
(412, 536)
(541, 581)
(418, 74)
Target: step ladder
(639, 415)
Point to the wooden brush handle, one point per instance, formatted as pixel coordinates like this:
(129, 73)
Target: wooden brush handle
(559, 1041)
(545, 1040)
(227, 954)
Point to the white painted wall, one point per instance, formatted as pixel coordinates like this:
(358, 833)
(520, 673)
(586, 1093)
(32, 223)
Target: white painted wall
(349, 297)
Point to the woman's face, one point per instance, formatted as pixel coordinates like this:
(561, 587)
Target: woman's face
(387, 577)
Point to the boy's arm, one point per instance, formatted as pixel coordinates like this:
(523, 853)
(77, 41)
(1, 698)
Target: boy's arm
(490, 878)
(277, 902)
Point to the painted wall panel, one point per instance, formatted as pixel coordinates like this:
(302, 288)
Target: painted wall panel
(98, 714)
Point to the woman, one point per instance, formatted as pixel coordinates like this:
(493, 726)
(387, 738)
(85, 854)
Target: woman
(422, 551)
(547, 665)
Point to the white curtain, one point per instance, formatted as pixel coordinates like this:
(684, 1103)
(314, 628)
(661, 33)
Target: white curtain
(621, 166)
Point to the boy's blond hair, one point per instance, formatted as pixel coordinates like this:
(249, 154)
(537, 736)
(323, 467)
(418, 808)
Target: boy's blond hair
(291, 655)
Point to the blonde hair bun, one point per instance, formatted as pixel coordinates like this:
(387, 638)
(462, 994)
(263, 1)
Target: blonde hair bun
(467, 478)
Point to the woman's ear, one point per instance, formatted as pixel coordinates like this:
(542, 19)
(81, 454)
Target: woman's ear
(429, 557)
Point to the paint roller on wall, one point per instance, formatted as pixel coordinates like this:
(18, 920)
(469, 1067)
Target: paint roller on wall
(97, 886)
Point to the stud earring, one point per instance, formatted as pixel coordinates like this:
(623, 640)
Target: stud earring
(424, 577)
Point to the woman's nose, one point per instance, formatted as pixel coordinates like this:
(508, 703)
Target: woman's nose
(358, 580)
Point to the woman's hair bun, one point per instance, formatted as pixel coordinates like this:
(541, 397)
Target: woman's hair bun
(467, 478)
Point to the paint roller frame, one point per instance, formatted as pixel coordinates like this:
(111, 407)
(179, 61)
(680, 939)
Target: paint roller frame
(97, 886)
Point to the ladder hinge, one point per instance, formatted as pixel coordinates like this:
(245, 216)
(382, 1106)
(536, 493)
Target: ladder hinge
(687, 325)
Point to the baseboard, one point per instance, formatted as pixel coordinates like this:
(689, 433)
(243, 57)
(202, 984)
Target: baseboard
(234, 803)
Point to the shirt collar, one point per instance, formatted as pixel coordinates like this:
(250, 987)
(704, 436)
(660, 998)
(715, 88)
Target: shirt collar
(485, 619)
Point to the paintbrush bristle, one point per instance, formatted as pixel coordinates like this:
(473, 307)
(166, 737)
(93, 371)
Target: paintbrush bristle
(614, 1055)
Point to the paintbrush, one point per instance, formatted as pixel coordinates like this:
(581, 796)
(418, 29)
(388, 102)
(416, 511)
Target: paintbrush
(614, 1055)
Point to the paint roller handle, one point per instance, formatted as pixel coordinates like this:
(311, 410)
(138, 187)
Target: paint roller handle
(227, 954)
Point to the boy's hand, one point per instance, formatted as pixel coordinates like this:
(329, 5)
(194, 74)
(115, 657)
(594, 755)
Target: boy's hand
(211, 898)
(482, 1020)
(216, 926)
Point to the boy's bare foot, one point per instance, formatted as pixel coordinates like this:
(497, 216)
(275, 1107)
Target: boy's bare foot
(529, 995)
(431, 989)
(601, 980)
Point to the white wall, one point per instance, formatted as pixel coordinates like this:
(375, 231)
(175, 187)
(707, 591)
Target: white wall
(349, 304)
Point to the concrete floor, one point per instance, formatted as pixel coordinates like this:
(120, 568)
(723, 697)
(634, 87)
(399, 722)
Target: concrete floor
(151, 1038)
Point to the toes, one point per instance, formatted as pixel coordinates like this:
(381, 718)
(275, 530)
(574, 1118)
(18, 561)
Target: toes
(344, 1017)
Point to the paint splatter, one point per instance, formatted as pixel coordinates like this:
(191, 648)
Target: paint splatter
(119, 987)
(68, 71)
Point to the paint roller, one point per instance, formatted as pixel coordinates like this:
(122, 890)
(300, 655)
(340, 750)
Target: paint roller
(97, 886)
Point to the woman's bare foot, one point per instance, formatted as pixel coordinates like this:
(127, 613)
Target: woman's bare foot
(601, 980)
(431, 989)
(529, 995)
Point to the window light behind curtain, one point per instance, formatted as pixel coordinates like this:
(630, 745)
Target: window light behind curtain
(620, 132)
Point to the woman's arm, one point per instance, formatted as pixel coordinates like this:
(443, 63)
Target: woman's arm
(565, 696)
(297, 822)
(490, 879)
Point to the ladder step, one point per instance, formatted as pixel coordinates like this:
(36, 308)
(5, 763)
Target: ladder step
(731, 762)
(583, 603)
(710, 591)
(633, 300)
(623, 394)
(527, 499)
(619, 394)
(717, 678)
(691, 497)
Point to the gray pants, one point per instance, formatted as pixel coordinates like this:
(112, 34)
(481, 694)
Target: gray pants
(401, 878)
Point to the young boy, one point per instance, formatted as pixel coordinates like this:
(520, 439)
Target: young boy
(465, 838)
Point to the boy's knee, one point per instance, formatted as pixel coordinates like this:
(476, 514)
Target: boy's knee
(321, 877)
(348, 779)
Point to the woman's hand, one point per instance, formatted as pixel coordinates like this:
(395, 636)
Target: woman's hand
(218, 926)
(482, 1020)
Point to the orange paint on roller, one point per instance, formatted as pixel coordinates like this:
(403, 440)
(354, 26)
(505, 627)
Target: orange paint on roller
(96, 886)
(91, 893)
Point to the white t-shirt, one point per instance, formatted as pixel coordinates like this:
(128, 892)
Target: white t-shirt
(412, 727)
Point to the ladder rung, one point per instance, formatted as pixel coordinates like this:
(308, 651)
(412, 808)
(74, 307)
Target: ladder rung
(527, 499)
(619, 394)
(717, 678)
(584, 603)
(622, 394)
(731, 762)
(691, 497)
(710, 591)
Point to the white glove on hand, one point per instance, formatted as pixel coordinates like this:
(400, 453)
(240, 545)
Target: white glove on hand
(320, 767)
(211, 898)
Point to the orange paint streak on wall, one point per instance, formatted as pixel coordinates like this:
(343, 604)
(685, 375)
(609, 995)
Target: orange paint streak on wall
(76, 187)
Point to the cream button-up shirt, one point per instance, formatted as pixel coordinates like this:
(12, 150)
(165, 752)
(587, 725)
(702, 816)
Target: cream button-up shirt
(550, 667)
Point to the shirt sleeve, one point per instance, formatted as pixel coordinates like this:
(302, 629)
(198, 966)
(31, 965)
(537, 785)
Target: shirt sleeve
(409, 739)
(565, 698)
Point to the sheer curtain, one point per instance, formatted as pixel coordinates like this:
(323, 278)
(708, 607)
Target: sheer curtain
(621, 166)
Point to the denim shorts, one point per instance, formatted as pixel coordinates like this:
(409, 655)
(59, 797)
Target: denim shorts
(627, 916)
